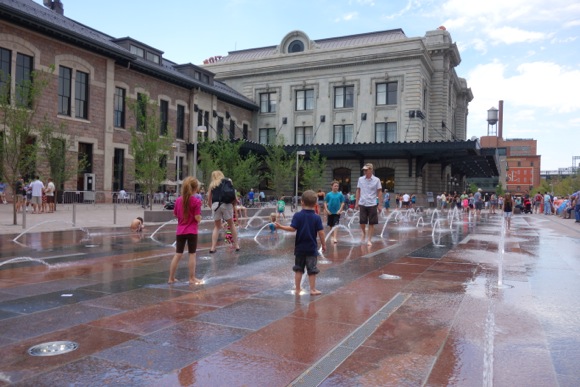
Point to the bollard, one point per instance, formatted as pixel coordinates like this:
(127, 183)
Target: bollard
(74, 213)
(115, 213)
(24, 216)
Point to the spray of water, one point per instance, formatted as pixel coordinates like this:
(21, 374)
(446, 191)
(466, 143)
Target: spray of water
(24, 259)
(85, 230)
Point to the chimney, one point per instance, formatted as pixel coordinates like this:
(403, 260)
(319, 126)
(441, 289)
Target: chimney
(500, 124)
(55, 5)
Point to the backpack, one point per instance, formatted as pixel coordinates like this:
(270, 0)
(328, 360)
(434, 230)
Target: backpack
(227, 192)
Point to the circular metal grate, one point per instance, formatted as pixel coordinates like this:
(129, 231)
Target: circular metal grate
(52, 348)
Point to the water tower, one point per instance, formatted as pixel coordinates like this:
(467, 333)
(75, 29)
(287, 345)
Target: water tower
(492, 119)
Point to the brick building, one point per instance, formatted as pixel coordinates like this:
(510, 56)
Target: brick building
(95, 74)
(522, 163)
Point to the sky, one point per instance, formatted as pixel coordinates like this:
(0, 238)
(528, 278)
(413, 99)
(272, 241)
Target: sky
(524, 52)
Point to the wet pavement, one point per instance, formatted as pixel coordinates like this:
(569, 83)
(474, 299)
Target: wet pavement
(455, 302)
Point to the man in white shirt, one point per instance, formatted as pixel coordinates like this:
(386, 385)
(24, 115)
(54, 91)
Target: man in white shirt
(36, 187)
(49, 191)
(406, 199)
(368, 190)
(443, 200)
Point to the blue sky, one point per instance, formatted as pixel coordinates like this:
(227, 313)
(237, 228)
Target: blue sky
(524, 52)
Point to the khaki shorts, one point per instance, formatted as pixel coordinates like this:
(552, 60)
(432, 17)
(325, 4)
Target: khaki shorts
(36, 200)
(224, 211)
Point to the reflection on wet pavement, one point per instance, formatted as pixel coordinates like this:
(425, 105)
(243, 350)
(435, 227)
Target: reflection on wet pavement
(453, 324)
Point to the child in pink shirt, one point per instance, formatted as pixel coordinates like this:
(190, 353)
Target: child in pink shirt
(188, 212)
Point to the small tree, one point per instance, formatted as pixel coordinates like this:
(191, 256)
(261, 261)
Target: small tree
(280, 167)
(473, 187)
(225, 155)
(313, 171)
(148, 147)
(19, 128)
(63, 165)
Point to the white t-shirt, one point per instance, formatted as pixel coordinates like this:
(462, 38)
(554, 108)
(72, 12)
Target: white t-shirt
(36, 187)
(368, 190)
(50, 189)
(405, 197)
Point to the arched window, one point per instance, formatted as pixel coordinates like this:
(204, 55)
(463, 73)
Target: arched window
(387, 177)
(295, 46)
(342, 175)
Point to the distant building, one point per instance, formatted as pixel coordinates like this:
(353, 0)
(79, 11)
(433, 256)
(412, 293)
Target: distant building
(563, 172)
(521, 168)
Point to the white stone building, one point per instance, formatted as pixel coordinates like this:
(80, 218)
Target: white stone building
(378, 97)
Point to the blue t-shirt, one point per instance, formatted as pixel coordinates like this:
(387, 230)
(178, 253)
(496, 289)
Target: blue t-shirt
(333, 201)
(307, 224)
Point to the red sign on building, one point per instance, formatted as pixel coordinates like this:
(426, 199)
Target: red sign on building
(523, 176)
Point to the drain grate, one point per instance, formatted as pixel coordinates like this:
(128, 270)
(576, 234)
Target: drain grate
(330, 362)
(52, 348)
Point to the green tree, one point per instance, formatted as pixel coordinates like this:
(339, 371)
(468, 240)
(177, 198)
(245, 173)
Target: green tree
(226, 156)
(149, 148)
(19, 127)
(313, 171)
(473, 187)
(54, 143)
(280, 166)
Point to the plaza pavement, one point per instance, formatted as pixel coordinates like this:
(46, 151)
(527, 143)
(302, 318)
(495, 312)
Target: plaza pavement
(402, 312)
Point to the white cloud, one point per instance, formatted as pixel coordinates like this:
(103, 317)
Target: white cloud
(347, 17)
(538, 85)
(569, 39)
(399, 13)
(571, 24)
(510, 35)
(366, 2)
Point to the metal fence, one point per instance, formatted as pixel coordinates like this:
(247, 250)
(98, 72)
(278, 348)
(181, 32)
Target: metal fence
(103, 197)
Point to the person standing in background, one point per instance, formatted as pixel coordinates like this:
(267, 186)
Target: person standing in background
(368, 190)
(333, 207)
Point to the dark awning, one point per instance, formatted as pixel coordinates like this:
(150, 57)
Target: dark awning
(466, 158)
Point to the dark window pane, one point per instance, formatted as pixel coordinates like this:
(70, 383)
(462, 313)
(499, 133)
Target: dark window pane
(119, 109)
(64, 90)
(180, 127)
(82, 95)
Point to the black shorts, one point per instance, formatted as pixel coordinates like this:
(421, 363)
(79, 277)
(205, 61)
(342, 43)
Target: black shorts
(308, 261)
(333, 220)
(368, 215)
(180, 241)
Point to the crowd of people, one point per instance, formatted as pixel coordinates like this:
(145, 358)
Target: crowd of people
(370, 200)
(545, 203)
(32, 196)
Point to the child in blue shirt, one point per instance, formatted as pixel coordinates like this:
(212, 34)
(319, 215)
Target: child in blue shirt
(307, 225)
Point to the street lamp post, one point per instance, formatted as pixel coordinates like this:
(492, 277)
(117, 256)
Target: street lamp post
(298, 153)
(194, 131)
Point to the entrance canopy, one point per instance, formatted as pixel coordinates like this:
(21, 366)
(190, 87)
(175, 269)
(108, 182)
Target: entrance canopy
(466, 158)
